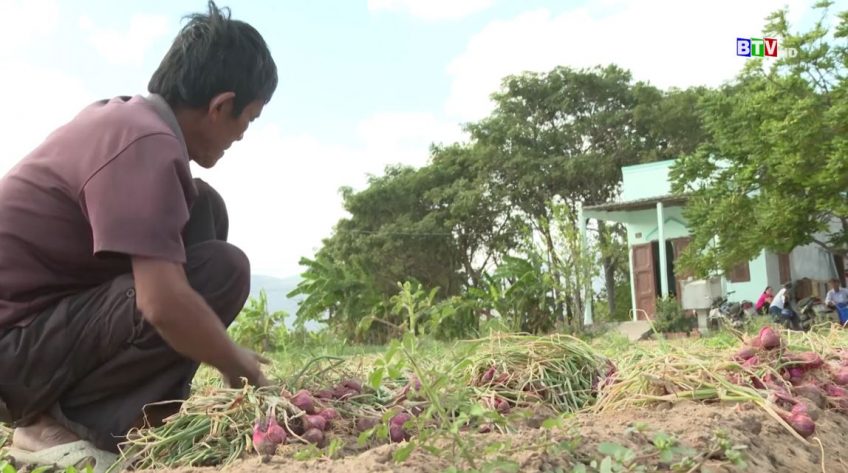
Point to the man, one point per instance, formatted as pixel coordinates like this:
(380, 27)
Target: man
(837, 296)
(115, 277)
(781, 308)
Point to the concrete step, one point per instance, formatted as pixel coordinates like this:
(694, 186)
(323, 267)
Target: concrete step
(635, 330)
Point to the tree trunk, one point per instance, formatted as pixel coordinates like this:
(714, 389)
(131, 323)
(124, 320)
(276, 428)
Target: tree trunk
(555, 264)
(608, 264)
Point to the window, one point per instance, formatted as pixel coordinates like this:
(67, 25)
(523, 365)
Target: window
(740, 273)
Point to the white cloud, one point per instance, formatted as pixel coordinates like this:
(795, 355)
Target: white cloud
(666, 42)
(282, 190)
(126, 47)
(415, 131)
(43, 99)
(432, 9)
(25, 21)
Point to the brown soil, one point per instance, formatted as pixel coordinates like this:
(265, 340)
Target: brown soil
(770, 448)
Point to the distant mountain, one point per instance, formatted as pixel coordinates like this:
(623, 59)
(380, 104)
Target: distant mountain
(276, 290)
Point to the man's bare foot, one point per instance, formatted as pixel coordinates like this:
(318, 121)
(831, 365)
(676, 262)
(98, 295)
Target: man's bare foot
(44, 433)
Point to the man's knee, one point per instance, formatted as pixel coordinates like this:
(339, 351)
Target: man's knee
(220, 272)
(209, 219)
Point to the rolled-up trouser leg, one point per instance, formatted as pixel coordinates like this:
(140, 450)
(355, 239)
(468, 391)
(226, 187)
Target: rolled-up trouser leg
(92, 362)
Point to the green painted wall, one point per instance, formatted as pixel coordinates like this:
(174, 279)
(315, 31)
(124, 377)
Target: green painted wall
(759, 280)
(643, 227)
(645, 180)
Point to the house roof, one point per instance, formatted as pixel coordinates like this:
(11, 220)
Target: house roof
(671, 200)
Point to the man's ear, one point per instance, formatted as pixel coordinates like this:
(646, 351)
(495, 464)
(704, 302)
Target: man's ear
(221, 104)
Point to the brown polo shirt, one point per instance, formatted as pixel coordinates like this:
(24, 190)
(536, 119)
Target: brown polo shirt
(113, 182)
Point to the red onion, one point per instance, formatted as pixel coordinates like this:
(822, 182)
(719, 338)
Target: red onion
(314, 422)
(329, 414)
(342, 393)
(398, 434)
(806, 361)
(751, 362)
(502, 406)
(365, 423)
(744, 353)
(840, 377)
(261, 444)
(769, 338)
(304, 401)
(314, 436)
(807, 409)
(487, 377)
(837, 396)
(801, 423)
(400, 419)
(833, 390)
(811, 392)
(275, 432)
(353, 385)
(796, 372)
(324, 394)
(501, 380)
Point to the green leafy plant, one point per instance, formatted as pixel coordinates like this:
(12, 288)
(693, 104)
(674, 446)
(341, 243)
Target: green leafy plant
(670, 316)
(258, 328)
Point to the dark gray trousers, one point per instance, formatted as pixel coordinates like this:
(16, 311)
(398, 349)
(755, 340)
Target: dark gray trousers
(92, 362)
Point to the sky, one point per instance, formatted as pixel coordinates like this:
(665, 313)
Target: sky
(363, 83)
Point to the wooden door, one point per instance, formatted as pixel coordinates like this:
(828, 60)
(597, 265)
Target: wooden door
(643, 279)
(679, 244)
(783, 270)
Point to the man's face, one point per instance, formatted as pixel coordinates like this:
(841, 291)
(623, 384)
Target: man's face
(221, 128)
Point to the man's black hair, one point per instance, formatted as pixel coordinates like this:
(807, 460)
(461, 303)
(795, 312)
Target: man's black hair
(213, 54)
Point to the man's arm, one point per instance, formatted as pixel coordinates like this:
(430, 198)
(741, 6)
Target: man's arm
(187, 323)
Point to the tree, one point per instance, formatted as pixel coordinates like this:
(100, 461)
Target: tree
(483, 224)
(336, 293)
(773, 172)
(561, 137)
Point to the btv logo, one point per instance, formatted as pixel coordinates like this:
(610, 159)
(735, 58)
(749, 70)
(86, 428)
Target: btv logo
(760, 47)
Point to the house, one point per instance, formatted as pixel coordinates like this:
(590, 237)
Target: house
(657, 233)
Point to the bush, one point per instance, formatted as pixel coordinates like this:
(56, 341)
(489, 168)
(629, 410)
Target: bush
(670, 316)
(259, 329)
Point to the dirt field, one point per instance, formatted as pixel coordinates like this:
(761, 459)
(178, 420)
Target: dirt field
(769, 447)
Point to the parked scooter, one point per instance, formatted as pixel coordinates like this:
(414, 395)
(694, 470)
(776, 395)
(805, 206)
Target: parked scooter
(733, 314)
(811, 310)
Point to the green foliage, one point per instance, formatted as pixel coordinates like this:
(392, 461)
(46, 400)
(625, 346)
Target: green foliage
(410, 302)
(259, 329)
(773, 170)
(338, 294)
(527, 303)
(6, 467)
(492, 223)
(670, 316)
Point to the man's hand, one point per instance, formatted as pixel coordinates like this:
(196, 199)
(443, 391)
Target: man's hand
(249, 361)
(187, 323)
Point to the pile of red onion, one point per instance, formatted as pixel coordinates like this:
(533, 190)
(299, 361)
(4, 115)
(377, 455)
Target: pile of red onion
(799, 385)
(312, 419)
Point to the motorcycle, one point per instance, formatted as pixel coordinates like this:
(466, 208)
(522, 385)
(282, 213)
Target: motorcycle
(811, 310)
(733, 314)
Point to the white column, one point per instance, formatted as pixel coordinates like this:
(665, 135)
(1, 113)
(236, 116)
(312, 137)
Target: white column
(661, 235)
(588, 316)
(632, 281)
